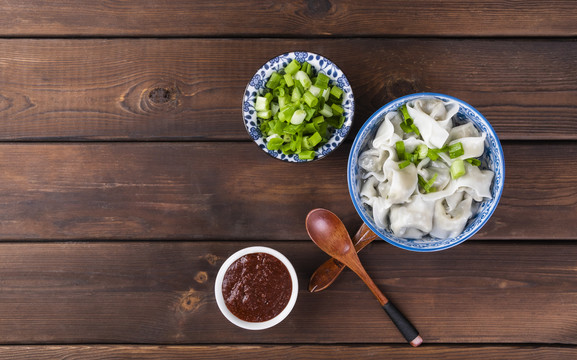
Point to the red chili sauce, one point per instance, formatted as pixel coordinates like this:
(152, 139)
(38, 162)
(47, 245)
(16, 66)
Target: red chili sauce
(256, 287)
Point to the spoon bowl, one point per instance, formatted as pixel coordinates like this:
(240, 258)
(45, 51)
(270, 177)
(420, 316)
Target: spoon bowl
(329, 233)
(328, 272)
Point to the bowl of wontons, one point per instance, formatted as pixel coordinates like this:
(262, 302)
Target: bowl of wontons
(426, 172)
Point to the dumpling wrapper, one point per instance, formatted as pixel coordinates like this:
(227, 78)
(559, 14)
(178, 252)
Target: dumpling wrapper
(387, 135)
(450, 223)
(476, 182)
(433, 117)
(412, 220)
(462, 131)
(403, 182)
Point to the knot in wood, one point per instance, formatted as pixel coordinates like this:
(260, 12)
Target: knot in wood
(318, 7)
(160, 98)
(160, 95)
(190, 301)
(401, 87)
(201, 277)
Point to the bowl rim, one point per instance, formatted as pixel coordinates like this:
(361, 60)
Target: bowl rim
(323, 151)
(389, 107)
(247, 324)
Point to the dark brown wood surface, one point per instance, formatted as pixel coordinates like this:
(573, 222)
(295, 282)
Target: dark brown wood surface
(235, 191)
(163, 293)
(288, 352)
(127, 178)
(289, 18)
(90, 352)
(191, 89)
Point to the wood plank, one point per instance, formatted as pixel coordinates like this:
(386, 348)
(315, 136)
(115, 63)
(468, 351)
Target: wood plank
(144, 352)
(162, 293)
(119, 191)
(191, 89)
(289, 18)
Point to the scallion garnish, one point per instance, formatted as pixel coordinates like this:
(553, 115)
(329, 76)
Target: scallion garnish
(474, 162)
(456, 150)
(422, 151)
(404, 164)
(405, 113)
(322, 81)
(400, 147)
(295, 114)
(457, 169)
(427, 185)
(336, 92)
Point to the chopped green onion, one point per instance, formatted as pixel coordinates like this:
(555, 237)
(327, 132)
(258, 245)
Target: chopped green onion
(310, 99)
(405, 113)
(316, 91)
(287, 112)
(310, 112)
(298, 117)
(315, 139)
(289, 80)
(456, 150)
(336, 92)
(457, 169)
(274, 108)
(404, 164)
(261, 103)
(295, 114)
(406, 128)
(422, 151)
(283, 101)
(296, 95)
(474, 162)
(322, 81)
(400, 146)
(326, 111)
(304, 79)
(267, 114)
(338, 110)
(427, 185)
(274, 144)
(415, 129)
(307, 68)
(432, 154)
(292, 67)
(307, 155)
(274, 80)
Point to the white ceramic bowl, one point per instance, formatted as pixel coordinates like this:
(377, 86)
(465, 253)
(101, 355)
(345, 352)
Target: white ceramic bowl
(247, 324)
(492, 159)
(257, 85)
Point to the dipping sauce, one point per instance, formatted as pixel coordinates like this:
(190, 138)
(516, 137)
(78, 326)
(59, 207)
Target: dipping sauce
(256, 287)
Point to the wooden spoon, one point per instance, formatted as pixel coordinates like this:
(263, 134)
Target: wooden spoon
(328, 272)
(330, 234)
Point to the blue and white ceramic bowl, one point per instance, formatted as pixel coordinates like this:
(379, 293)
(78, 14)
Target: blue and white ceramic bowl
(492, 159)
(257, 86)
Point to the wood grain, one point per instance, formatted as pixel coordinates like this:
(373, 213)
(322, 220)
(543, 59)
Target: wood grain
(163, 293)
(223, 352)
(191, 89)
(228, 191)
(288, 18)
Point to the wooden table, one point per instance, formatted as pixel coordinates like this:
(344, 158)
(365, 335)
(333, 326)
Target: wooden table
(127, 178)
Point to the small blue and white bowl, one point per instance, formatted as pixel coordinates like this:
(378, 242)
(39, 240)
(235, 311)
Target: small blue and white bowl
(492, 159)
(257, 86)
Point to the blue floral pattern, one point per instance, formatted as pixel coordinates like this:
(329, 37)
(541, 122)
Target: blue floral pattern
(492, 159)
(257, 86)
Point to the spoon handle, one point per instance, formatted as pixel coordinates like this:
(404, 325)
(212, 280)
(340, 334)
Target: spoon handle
(328, 272)
(401, 322)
